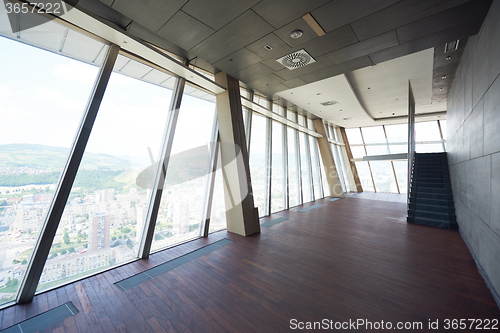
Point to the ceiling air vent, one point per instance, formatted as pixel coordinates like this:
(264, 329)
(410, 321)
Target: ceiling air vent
(451, 46)
(296, 59)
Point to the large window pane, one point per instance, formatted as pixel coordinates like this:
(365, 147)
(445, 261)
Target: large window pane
(427, 131)
(354, 136)
(315, 167)
(401, 168)
(218, 210)
(398, 149)
(326, 188)
(181, 208)
(358, 151)
(377, 150)
(305, 168)
(443, 128)
(277, 195)
(365, 176)
(40, 109)
(257, 161)
(429, 148)
(293, 175)
(103, 220)
(383, 176)
(397, 133)
(373, 134)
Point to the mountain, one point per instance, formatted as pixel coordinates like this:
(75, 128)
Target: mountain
(48, 158)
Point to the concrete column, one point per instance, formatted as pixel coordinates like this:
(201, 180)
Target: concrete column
(328, 161)
(241, 215)
(352, 165)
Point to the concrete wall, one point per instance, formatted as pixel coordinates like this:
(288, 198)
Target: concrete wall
(474, 144)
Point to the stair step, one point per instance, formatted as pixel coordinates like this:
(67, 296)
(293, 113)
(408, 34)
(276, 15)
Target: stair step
(434, 223)
(420, 184)
(443, 209)
(438, 196)
(433, 180)
(431, 202)
(423, 189)
(434, 215)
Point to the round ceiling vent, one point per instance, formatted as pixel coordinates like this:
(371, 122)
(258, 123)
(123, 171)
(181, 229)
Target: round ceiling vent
(296, 59)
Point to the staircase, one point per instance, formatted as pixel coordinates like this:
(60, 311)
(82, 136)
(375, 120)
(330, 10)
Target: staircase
(431, 199)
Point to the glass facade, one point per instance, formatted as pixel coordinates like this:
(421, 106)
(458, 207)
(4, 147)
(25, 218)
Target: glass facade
(40, 117)
(110, 204)
(391, 176)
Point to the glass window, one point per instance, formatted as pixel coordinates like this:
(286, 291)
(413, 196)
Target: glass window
(358, 151)
(383, 176)
(40, 117)
(377, 150)
(291, 116)
(354, 136)
(365, 176)
(401, 168)
(313, 143)
(326, 188)
(443, 128)
(429, 148)
(261, 100)
(277, 193)
(427, 131)
(373, 134)
(103, 220)
(293, 170)
(218, 210)
(181, 207)
(258, 169)
(397, 133)
(398, 149)
(245, 116)
(301, 120)
(305, 168)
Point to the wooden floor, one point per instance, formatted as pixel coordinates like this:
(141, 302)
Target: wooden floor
(346, 260)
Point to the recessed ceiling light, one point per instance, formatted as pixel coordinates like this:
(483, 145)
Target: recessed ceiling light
(444, 77)
(368, 87)
(329, 103)
(268, 47)
(393, 114)
(448, 58)
(296, 34)
(440, 89)
(349, 118)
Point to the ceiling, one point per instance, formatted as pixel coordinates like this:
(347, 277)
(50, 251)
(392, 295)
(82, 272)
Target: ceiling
(231, 35)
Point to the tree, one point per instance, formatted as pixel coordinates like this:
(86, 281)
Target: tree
(85, 245)
(24, 262)
(125, 230)
(71, 250)
(129, 244)
(117, 243)
(66, 238)
(113, 238)
(63, 252)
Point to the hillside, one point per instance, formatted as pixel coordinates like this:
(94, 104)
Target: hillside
(47, 158)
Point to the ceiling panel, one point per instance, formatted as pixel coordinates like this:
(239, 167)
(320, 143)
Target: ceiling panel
(237, 61)
(242, 31)
(365, 47)
(252, 73)
(399, 14)
(443, 20)
(445, 36)
(272, 63)
(330, 42)
(298, 24)
(281, 12)
(338, 13)
(152, 14)
(185, 31)
(217, 13)
(334, 70)
(278, 47)
(293, 83)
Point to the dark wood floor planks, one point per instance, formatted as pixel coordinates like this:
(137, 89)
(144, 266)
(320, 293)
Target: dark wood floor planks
(348, 259)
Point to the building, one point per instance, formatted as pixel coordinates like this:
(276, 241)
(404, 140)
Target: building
(312, 103)
(99, 231)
